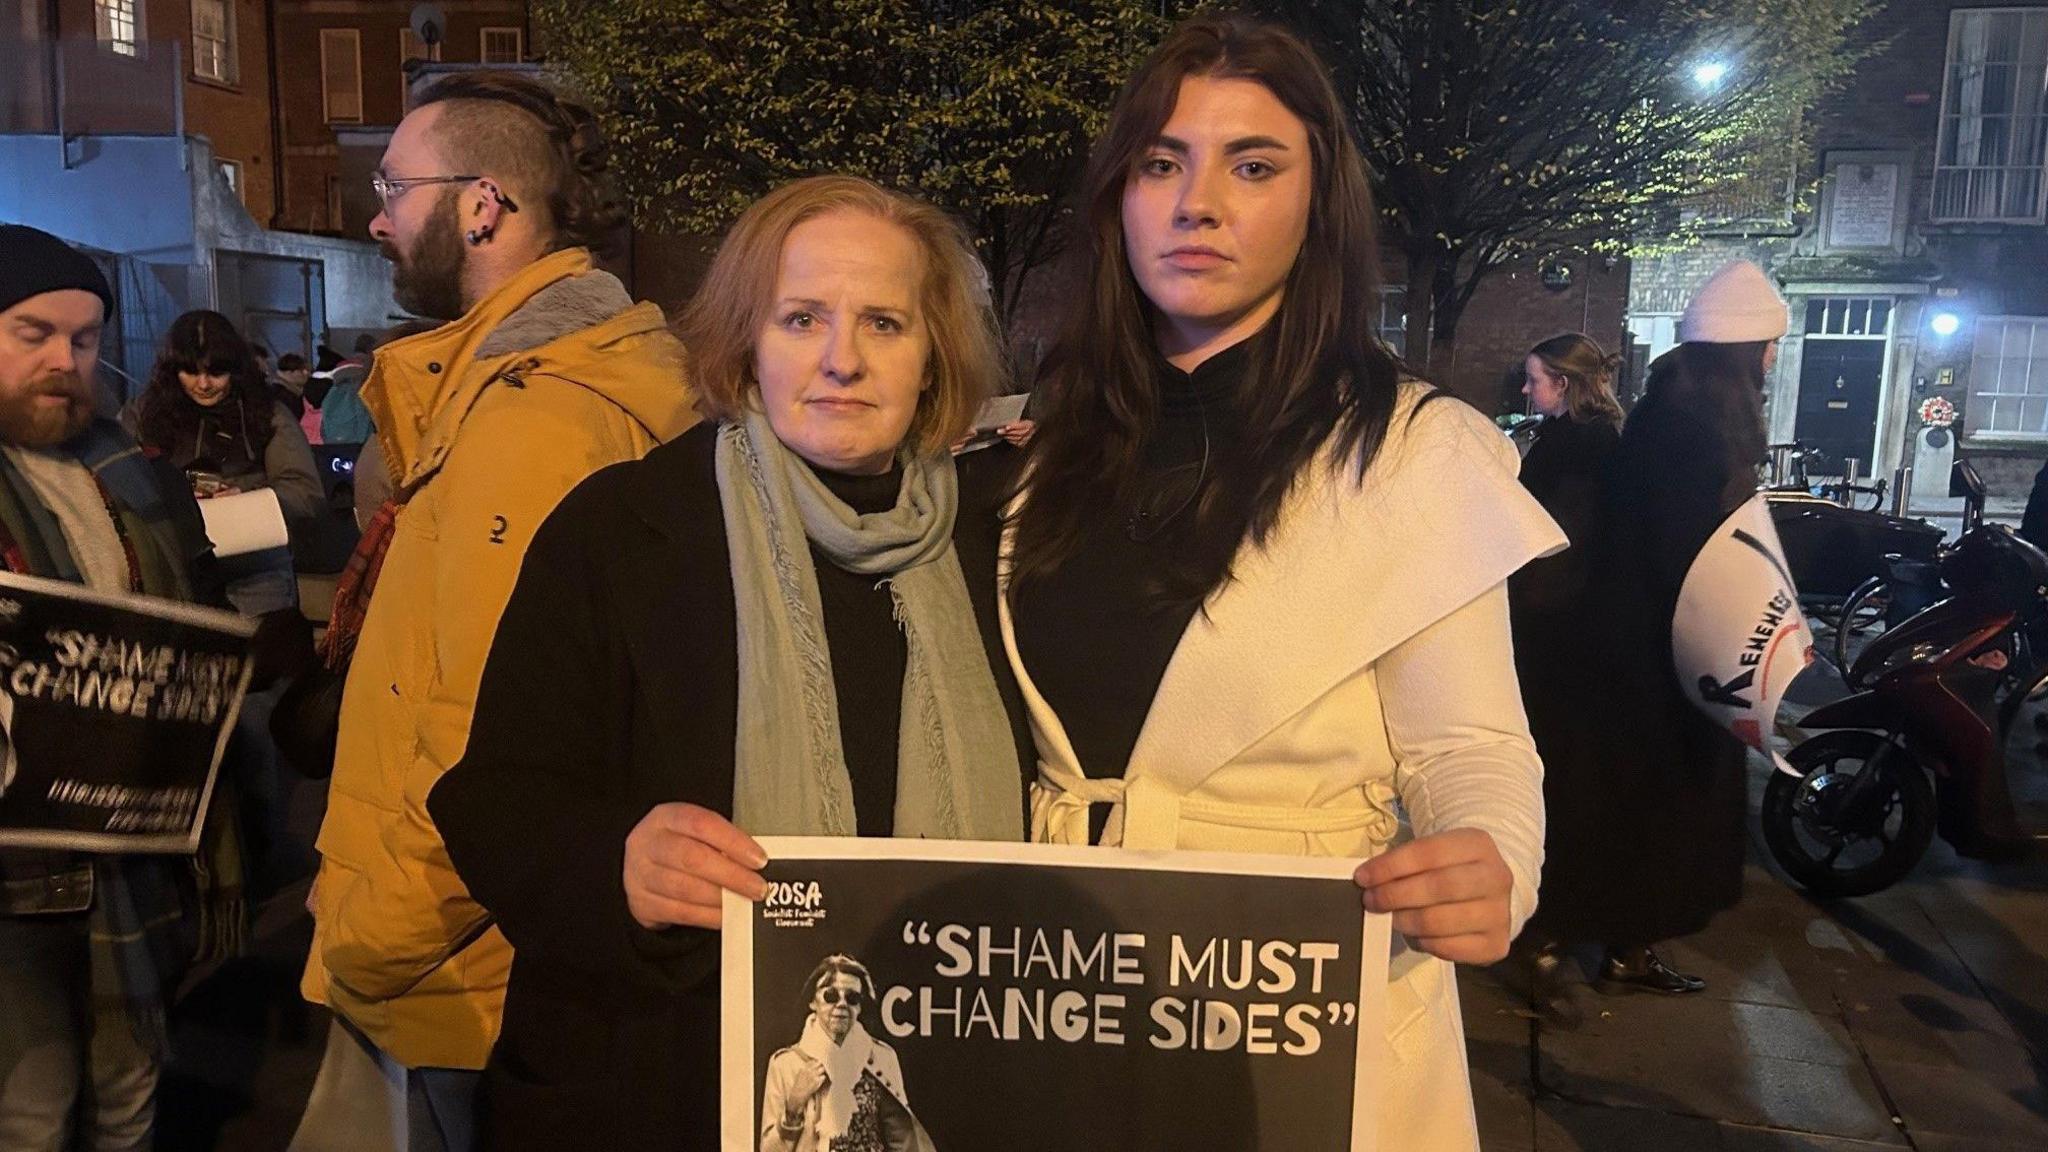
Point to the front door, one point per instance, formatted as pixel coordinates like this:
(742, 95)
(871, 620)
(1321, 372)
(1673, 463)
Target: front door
(1839, 385)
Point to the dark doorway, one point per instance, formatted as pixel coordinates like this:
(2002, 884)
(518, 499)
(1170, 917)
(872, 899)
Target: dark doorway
(1839, 385)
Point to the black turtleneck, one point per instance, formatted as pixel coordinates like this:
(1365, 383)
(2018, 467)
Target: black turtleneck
(868, 657)
(1091, 634)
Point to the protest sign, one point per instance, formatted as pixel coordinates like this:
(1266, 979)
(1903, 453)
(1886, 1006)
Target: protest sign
(114, 711)
(931, 995)
(1737, 636)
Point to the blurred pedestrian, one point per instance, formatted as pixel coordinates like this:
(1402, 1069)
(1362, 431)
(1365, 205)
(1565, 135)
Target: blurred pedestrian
(1554, 604)
(1649, 843)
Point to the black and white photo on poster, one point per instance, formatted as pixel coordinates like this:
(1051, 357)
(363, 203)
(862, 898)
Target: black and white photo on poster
(929, 996)
(114, 714)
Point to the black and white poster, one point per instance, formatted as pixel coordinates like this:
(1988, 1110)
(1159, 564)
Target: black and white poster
(114, 713)
(932, 996)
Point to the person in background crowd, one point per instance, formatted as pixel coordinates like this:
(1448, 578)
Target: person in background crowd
(1553, 607)
(543, 372)
(842, 342)
(1651, 845)
(91, 946)
(1258, 580)
(343, 417)
(207, 411)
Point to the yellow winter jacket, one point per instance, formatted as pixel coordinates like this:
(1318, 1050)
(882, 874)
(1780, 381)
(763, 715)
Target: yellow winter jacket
(485, 425)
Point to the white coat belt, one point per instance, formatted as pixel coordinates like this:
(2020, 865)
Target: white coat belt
(1146, 814)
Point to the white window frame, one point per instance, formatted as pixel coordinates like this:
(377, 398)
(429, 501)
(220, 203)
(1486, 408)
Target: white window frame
(117, 25)
(1393, 317)
(483, 44)
(2033, 385)
(1972, 128)
(334, 40)
(215, 58)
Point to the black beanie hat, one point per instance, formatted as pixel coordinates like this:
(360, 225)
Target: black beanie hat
(33, 262)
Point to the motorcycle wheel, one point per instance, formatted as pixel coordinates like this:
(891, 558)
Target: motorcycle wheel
(1862, 611)
(1830, 861)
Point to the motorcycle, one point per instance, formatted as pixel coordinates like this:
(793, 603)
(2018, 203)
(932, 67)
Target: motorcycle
(1919, 745)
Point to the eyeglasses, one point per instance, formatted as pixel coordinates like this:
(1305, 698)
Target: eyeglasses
(388, 190)
(833, 995)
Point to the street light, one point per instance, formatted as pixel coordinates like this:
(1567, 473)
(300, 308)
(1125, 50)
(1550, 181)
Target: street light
(1945, 324)
(1710, 74)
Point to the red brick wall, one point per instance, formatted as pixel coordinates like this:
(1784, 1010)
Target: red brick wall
(1512, 311)
(310, 152)
(234, 117)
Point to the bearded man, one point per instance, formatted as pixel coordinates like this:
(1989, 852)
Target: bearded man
(543, 372)
(91, 946)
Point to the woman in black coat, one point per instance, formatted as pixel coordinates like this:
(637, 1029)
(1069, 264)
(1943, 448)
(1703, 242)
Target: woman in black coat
(1646, 834)
(641, 714)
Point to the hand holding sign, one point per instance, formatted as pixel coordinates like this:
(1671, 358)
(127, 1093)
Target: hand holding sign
(1448, 893)
(680, 861)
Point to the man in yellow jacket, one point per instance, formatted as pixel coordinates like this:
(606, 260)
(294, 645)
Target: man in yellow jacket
(545, 372)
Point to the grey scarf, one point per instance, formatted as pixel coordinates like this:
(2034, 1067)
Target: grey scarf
(957, 775)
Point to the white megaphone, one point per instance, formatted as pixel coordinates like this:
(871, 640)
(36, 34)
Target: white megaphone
(1737, 636)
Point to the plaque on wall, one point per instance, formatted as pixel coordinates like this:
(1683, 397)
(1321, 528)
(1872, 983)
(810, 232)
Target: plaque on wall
(1865, 207)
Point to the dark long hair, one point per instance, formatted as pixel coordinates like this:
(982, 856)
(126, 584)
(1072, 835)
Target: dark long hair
(1316, 368)
(1715, 391)
(205, 342)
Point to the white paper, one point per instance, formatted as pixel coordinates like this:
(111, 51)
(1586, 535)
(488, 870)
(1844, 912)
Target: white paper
(1000, 410)
(1737, 637)
(244, 522)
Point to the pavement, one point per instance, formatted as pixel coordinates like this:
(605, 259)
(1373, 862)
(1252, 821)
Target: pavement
(1916, 1018)
(1913, 1019)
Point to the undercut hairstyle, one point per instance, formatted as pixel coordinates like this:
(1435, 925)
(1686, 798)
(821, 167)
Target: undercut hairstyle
(547, 152)
(1318, 375)
(725, 318)
(1588, 374)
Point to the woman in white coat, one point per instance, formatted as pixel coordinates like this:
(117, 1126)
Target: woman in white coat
(1256, 587)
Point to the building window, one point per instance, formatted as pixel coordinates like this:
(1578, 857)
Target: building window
(410, 48)
(1393, 321)
(231, 171)
(2009, 378)
(114, 23)
(1852, 317)
(1994, 116)
(341, 75)
(213, 40)
(502, 46)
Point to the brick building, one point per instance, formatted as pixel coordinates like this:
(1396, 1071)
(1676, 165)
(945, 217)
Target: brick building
(140, 65)
(1919, 270)
(343, 88)
(147, 132)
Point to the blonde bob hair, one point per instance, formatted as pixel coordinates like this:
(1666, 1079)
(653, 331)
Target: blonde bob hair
(724, 319)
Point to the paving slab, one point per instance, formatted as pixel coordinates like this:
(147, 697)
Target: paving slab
(2012, 1107)
(1750, 1064)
